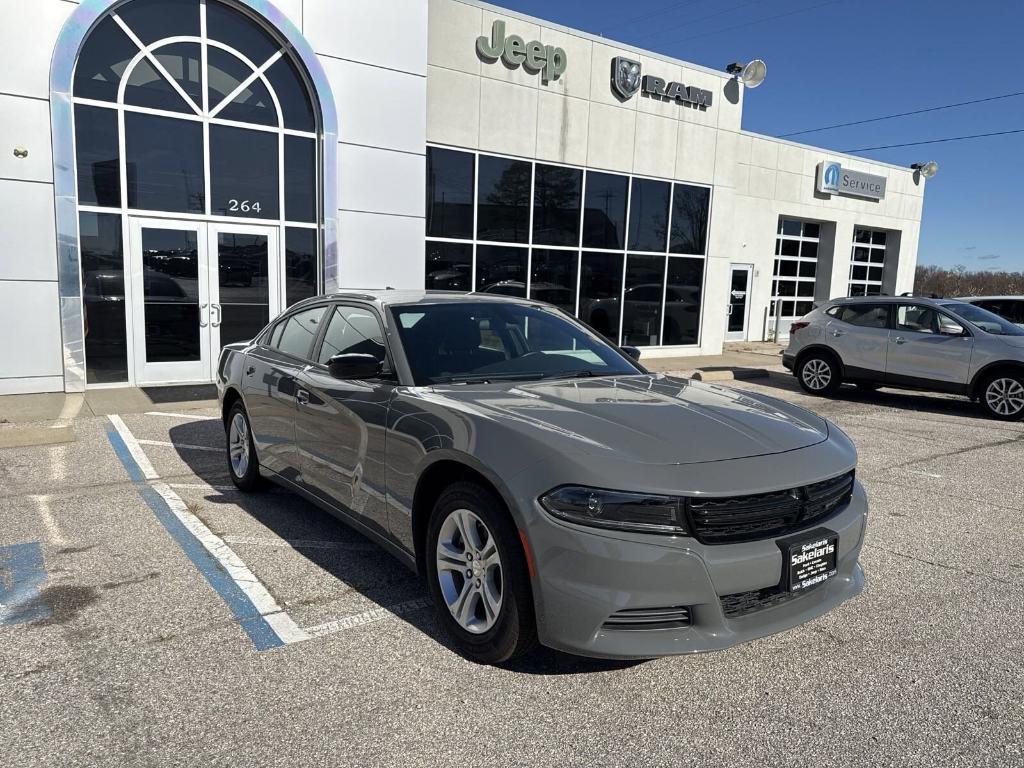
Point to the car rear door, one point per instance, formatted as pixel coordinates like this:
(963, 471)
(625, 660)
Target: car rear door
(341, 425)
(860, 334)
(269, 388)
(923, 351)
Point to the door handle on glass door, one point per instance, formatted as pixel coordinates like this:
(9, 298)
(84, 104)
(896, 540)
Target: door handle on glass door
(302, 396)
(219, 316)
(202, 316)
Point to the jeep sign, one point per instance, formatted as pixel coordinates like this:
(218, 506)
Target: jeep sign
(534, 56)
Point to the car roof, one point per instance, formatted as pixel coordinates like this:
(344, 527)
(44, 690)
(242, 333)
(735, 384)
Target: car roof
(888, 300)
(404, 296)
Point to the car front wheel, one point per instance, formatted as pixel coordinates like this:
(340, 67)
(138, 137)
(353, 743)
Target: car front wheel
(818, 374)
(478, 576)
(1003, 396)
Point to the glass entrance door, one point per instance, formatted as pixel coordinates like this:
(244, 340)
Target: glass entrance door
(195, 287)
(738, 310)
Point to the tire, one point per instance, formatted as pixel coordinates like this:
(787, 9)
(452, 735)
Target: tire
(1002, 396)
(818, 374)
(243, 464)
(484, 603)
(868, 386)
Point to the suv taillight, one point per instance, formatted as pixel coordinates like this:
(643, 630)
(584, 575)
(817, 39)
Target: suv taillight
(796, 327)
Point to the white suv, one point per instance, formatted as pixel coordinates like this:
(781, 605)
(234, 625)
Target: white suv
(937, 345)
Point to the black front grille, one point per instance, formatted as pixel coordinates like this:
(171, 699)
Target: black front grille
(735, 519)
(674, 617)
(742, 603)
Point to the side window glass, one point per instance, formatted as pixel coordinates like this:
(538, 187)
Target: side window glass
(300, 332)
(274, 338)
(352, 330)
(917, 319)
(866, 315)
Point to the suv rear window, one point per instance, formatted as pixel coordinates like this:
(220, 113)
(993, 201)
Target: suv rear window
(865, 315)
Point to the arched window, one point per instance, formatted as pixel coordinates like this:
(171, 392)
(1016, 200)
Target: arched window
(190, 111)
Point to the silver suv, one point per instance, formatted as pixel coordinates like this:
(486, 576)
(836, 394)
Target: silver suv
(937, 345)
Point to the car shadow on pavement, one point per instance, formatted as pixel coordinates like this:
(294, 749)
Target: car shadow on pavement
(331, 545)
(906, 400)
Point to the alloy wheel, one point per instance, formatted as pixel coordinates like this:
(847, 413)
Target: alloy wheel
(238, 445)
(1005, 396)
(816, 374)
(469, 571)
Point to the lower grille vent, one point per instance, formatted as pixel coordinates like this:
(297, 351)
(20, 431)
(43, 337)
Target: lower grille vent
(675, 617)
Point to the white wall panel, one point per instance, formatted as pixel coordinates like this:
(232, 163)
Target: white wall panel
(453, 108)
(385, 33)
(26, 123)
(377, 251)
(562, 128)
(508, 118)
(612, 132)
(378, 107)
(28, 249)
(452, 33)
(30, 34)
(379, 180)
(655, 145)
(30, 314)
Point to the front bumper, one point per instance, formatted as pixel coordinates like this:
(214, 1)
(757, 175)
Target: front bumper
(584, 576)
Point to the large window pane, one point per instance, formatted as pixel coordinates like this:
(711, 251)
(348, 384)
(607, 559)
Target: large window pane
(252, 104)
(170, 289)
(449, 193)
(553, 277)
(601, 292)
(293, 95)
(604, 215)
(648, 215)
(106, 348)
(242, 266)
(227, 25)
(641, 318)
(96, 156)
(503, 200)
(449, 266)
(299, 179)
(501, 269)
(165, 163)
(556, 205)
(148, 88)
(682, 301)
(300, 247)
(153, 20)
(690, 208)
(103, 60)
(243, 173)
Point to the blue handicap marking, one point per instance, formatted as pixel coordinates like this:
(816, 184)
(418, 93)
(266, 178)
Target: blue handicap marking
(21, 575)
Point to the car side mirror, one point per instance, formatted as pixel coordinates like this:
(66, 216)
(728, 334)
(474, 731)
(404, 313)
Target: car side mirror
(633, 352)
(354, 366)
(951, 329)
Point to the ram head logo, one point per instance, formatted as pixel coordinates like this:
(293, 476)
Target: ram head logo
(625, 76)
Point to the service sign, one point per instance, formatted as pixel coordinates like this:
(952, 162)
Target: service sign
(833, 179)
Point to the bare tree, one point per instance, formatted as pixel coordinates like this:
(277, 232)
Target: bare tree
(959, 281)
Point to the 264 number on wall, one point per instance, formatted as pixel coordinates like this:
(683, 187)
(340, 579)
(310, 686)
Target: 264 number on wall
(244, 206)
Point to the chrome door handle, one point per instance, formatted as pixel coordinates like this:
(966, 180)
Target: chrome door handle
(900, 340)
(838, 333)
(302, 396)
(219, 316)
(250, 370)
(202, 315)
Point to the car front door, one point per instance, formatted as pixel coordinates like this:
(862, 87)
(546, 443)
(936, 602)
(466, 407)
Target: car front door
(860, 334)
(928, 348)
(341, 424)
(269, 388)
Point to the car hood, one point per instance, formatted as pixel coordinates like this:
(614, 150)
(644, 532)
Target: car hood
(650, 419)
(1017, 342)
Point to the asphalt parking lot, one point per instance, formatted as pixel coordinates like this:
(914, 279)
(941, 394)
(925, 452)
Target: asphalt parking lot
(129, 653)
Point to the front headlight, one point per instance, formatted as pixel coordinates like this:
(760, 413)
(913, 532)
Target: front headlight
(616, 509)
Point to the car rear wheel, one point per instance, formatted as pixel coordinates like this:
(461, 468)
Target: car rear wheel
(243, 465)
(477, 575)
(818, 374)
(1003, 396)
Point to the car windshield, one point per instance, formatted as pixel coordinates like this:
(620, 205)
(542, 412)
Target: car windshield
(983, 319)
(473, 342)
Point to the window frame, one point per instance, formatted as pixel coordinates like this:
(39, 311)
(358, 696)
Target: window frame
(388, 366)
(264, 338)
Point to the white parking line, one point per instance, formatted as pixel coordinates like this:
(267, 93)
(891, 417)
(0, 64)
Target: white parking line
(367, 617)
(921, 472)
(280, 622)
(185, 446)
(203, 487)
(53, 531)
(194, 416)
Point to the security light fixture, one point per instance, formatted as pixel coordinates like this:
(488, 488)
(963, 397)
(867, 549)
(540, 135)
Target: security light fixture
(752, 73)
(928, 169)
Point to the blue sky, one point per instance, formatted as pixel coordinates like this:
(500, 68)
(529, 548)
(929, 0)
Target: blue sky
(844, 60)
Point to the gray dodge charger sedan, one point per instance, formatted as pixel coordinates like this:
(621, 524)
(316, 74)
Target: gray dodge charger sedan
(544, 484)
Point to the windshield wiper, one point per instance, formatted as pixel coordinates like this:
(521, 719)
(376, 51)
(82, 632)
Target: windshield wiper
(572, 375)
(487, 378)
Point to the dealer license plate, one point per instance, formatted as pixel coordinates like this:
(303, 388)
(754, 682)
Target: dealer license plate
(808, 560)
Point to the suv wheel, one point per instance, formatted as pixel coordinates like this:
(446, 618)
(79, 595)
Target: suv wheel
(477, 575)
(243, 466)
(818, 374)
(1003, 396)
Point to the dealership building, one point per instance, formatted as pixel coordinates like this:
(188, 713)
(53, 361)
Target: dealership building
(174, 173)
